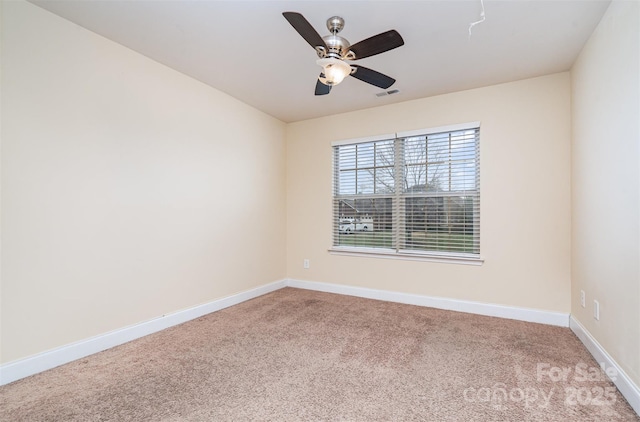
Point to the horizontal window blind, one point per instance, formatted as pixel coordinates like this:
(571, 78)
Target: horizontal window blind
(364, 194)
(416, 193)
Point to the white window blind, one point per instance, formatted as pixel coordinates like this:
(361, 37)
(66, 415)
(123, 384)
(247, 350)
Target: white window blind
(413, 193)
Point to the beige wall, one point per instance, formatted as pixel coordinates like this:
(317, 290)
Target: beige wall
(128, 190)
(525, 196)
(606, 184)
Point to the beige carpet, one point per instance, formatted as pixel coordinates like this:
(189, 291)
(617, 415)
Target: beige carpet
(296, 355)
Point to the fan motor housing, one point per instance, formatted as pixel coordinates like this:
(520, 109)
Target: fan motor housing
(338, 46)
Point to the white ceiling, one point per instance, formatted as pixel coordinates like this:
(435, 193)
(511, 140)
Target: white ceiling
(248, 50)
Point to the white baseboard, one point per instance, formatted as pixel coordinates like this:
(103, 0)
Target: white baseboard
(22, 368)
(488, 309)
(625, 385)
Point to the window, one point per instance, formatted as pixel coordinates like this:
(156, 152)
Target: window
(409, 194)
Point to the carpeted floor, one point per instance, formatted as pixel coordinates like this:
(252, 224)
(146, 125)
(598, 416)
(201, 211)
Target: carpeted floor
(297, 355)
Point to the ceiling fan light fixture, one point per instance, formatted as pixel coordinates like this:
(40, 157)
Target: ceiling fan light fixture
(334, 51)
(334, 70)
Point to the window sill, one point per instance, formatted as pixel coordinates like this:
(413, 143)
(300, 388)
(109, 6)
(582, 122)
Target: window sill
(407, 255)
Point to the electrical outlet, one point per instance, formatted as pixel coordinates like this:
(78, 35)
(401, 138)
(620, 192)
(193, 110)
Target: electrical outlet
(305, 264)
(583, 299)
(596, 310)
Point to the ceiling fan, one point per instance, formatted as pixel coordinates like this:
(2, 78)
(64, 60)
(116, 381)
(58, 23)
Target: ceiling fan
(333, 50)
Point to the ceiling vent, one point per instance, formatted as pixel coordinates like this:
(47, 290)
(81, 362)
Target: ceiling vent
(385, 93)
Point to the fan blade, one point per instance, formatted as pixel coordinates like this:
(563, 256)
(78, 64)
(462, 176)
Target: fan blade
(377, 44)
(305, 29)
(372, 77)
(322, 89)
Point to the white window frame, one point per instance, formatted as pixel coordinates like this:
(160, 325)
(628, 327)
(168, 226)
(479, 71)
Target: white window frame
(399, 252)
